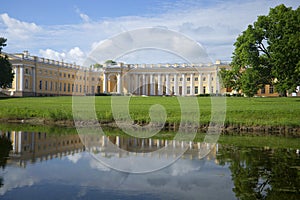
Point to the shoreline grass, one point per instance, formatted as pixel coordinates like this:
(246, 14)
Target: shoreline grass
(266, 141)
(249, 112)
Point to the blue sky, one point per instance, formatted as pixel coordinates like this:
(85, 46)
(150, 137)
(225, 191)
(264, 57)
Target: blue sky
(70, 29)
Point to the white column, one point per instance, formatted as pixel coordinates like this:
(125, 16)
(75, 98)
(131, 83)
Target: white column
(200, 84)
(176, 88)
(104, 83)
(183, 85)
(159, 88)
(132, 86)
(119, 84)
(218, 84)
(33, 79)
(192, 84)
(168, 84)
(21, 78)
(144, 85)
(17, 77)
(151, 85)
(128, 83)
(138, 84)
(208, 83)
(19, 142)
(118, 141)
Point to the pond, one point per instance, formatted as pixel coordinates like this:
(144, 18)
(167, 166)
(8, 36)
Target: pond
(56, 163)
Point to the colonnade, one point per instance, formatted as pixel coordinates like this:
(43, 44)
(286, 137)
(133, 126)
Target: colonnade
(183, 84)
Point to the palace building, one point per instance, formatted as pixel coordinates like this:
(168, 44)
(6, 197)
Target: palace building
(35, 76)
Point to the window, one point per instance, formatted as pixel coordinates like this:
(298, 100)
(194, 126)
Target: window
(80, 89)
(196, 89)
(98, 89)
(46, 85)
(196, 78)
(212, 78)
(188, 79)
(72, 87)
(73, 76)
(180, 79)
(26, 83)
(69, 76)
(59, 86)
(188, 91)
(51, 86)
(65, 87)
(40, 85)
(263, 90)
(68, 87)
(212, 89)
(76, 88)
(204, 89)
(93, 78)
(271, 89)
(65, 75)
(26, 71)
(204, 78)
(55, 86)
(93, 89)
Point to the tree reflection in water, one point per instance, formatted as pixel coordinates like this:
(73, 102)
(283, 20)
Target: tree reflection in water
(5, 147)
(262, 173)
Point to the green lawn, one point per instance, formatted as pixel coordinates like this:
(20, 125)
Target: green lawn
(239, 111)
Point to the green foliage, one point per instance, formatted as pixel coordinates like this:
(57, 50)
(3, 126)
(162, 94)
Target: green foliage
(271, 47)
(97, 66)
(6, 73)
(111, 62)
(262, 173)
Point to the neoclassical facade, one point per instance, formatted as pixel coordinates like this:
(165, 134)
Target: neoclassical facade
(35, 76)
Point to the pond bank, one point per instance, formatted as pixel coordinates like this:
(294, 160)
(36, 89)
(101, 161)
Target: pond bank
(226, 129)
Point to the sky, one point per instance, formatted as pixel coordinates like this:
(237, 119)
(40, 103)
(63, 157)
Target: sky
(69, 30)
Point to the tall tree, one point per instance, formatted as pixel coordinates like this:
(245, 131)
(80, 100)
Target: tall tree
(271, 49)
(6, 73)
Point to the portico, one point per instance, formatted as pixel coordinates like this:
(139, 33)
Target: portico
(162, 80)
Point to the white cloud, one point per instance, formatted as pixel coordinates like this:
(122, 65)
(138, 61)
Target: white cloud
(19, 29)
(74, 55)
(215, 27)
(85, 18)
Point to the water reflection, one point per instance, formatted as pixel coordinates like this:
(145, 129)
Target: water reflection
(261, 173)
(60, 167)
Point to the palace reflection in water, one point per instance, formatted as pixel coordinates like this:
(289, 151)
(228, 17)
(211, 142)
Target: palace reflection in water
(39, 146)
(59, 166)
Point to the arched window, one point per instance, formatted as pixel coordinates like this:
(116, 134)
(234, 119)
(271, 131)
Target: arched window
(26, 83)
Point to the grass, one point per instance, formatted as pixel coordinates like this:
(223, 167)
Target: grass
(268, 141)
(239, 111)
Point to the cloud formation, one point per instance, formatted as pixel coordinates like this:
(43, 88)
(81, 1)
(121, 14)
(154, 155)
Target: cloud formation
(19, 29)
(214, 26)
(74, 55)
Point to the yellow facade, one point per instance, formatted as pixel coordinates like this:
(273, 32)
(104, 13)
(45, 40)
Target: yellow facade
(36, 76)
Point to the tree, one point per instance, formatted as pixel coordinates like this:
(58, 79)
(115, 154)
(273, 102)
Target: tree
(97, 66)
(111, 62)
(6, 73)
(271, 48)
(5, 147)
